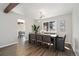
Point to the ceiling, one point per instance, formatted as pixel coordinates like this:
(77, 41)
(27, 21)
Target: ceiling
(3, 6)
(32, 10)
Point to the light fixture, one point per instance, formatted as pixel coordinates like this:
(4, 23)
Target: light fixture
(42, 13)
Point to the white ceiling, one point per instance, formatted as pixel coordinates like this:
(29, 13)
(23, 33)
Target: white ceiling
(3, 6)
(32, 10)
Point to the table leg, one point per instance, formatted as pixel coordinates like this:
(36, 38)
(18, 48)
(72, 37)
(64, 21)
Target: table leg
(54, 43)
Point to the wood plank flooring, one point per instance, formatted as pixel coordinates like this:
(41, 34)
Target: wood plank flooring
(34, 50)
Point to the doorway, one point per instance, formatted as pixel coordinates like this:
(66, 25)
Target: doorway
(21, 30)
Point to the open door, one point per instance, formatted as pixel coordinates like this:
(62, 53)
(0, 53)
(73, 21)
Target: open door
(21, 30)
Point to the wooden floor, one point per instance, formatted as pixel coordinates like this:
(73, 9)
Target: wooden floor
(34, 50)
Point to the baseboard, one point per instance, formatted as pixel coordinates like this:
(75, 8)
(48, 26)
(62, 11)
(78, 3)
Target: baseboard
(8, 44)
(74, 50)
(77, 52)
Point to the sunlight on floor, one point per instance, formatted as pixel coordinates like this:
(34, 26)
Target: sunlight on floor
(67, 48)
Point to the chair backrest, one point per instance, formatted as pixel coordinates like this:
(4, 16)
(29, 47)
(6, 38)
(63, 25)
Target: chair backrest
(21, 32)
(39, 37)
(46, 38)
(32, 36)
(64, 37)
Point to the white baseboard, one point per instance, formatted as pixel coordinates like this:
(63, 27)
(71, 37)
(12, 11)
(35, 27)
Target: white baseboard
(8, 44)
(75, 53)
(72, 47)
(74, 50)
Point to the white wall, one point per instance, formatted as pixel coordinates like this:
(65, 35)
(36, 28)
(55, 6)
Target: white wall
(68, 24)
(7, 29)
(28, 24)
(75, 29)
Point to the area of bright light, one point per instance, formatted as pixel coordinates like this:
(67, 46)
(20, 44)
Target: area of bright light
(67, 48)
(21, 20)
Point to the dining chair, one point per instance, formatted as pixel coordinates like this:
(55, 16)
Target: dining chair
(39, 39)
(21, 34)
(60, 43)
(32, 38)
(47, 40)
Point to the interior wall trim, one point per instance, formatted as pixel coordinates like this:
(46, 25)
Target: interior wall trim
(74, 50)
(8, 44)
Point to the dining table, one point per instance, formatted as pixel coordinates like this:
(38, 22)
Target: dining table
(52, 36)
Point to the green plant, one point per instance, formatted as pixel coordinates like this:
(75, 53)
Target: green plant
(35, 28)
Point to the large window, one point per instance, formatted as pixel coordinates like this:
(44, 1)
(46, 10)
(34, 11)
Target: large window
(49, 26)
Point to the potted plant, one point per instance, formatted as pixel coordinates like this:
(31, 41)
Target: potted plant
(35, 28)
